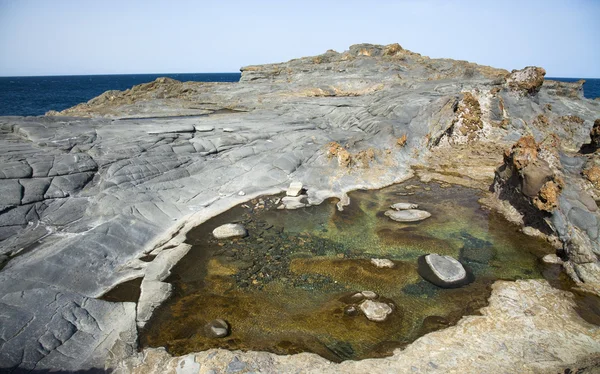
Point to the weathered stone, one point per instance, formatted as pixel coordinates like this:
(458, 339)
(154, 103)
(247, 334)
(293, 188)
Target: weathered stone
(369, 294)
(230, 230)
(443, 271)
(409, 215)
(375, 310)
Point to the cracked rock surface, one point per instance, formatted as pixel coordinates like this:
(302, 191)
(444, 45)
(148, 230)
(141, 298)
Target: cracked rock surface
(104, 192)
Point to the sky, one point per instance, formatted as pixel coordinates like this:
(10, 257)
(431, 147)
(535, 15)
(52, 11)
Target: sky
(75, 37)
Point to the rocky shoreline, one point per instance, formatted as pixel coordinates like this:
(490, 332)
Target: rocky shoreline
(89, 193)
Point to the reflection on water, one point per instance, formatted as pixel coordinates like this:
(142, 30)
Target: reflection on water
(284, 288)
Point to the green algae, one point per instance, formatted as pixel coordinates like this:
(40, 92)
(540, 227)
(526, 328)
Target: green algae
(283, 289)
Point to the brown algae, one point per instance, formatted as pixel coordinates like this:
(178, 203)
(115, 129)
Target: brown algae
(284, 288)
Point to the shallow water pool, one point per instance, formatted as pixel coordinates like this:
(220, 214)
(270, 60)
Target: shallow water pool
(283, 289)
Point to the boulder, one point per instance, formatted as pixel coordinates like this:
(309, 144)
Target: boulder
(404, 206)
(230, 230)
(375, 310)
(443, 271)
(409, 215)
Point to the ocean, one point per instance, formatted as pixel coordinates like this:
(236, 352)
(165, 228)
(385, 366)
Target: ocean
(34, 96)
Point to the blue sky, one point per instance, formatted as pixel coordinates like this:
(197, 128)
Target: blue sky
(62, 37)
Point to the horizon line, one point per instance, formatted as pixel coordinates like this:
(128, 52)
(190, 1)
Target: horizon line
(220, 72)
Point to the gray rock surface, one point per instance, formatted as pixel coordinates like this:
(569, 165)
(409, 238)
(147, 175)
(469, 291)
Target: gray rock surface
(89, 191)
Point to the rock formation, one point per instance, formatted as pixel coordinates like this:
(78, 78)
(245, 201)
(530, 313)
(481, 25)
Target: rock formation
(91, 193)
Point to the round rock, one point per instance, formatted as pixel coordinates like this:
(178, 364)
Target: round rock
(404, 206)
(443, 271)
(217, 328)
(230, 230)
(409, 215)
(204, 128)
(375, 311)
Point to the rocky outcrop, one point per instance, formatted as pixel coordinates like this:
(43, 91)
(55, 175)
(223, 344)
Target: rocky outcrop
(105, 192)
(526, 81)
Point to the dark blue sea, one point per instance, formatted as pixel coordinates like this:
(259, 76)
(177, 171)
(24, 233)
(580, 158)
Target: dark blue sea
(32, 96)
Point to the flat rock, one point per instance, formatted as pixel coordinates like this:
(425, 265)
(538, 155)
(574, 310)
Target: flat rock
(443, 271)
(230, 230)
(409, 215)
(404, 206)
(375, 310)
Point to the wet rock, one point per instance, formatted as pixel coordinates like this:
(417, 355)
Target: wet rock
(409, 215)
(382, 263)
(552, 259)
(217, 328)
(230, 230)
(375, 311)
(294, 189)
(369, 294)
(404, 206)
(443, 271)
(351, 310)
(292, 202)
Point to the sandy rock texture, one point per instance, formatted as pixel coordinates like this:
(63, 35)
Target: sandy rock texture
(90, 194)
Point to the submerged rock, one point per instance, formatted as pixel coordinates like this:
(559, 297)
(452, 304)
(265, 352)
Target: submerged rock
(375, 310)
(404, 206)
(217, 328)
(409, 215)
(382, 263)
(443, 271)
(230, 230)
